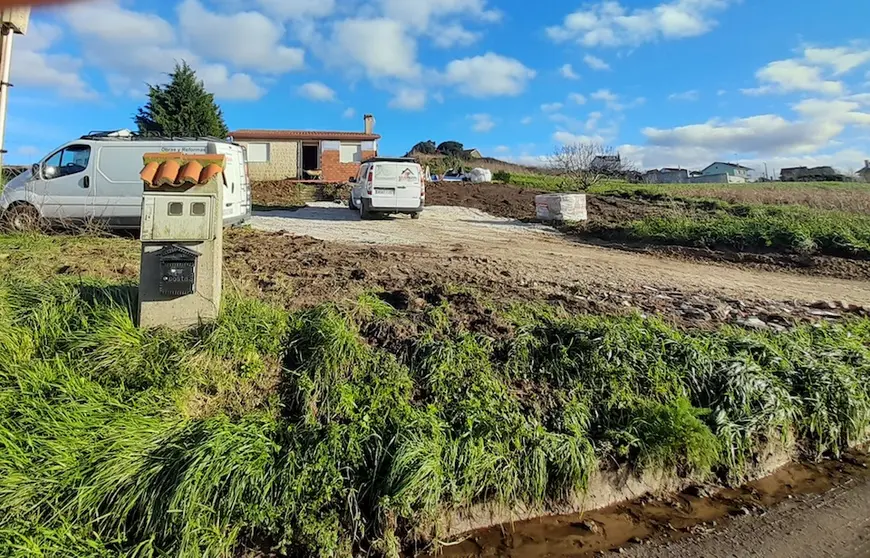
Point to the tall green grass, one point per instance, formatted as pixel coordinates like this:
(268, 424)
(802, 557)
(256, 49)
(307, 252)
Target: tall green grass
(293, 434)
(794, 229)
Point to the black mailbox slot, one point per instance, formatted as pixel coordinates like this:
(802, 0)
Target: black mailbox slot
(177, 270)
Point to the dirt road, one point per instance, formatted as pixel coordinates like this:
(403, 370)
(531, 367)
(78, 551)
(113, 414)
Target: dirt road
(801, 510)
(835, 524)
(536, 253)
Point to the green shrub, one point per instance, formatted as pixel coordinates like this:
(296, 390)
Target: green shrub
(502, 176)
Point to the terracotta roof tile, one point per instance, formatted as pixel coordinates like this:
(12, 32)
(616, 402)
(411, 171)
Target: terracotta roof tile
(176, 169)
(301, 135)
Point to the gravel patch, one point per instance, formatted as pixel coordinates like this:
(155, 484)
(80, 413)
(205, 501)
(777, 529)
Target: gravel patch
(437, 225)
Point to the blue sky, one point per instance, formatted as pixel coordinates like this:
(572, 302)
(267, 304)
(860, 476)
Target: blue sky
(667, 82)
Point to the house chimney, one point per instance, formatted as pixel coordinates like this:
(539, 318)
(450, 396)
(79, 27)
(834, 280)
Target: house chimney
(867, 163)
(369, 123)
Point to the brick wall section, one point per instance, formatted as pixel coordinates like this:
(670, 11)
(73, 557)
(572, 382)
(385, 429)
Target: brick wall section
(335, 171)
(282, 161)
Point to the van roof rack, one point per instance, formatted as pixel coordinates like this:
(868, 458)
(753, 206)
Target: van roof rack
(127, 135)
(390, 160)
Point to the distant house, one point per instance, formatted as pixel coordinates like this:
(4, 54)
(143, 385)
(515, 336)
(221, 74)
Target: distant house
(307, 154)
(606, 162)
(666, 176)
(471, 154)
(865, 172)
(806, 174)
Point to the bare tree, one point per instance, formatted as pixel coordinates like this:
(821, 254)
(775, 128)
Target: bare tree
(583, 165)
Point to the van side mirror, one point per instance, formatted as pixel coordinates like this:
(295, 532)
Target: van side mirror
(352, 179)
(34, 170)
(49, 172)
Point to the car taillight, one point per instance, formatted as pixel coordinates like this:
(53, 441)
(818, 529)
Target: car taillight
(370, 180)
(422, 188)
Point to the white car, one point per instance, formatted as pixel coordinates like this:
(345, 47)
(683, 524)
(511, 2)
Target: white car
(96, 178)
(388, 185)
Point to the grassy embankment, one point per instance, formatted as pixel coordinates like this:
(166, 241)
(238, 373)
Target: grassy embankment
(355, 425)
(803, 218)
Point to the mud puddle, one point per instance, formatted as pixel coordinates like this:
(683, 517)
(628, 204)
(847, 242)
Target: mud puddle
(695, 511)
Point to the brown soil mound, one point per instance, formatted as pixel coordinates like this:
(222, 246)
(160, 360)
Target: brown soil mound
(296, 271)
(290, 194)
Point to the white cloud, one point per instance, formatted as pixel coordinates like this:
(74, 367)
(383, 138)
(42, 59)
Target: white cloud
(316, 91)
(692, 95)
(422, 14)
(33, 66)
(248, 40)
(567, 72)
(567, 138)
(841, 59)
(489, 75)
(839, 111)
(230, 86)
(502, 149)
(454, 35)
(387, 51)
(407, 98)
(612, 100)
(107, 21)
(786, 76)
(577, 98)
(438, 20)
(609, 24)
(136, 47)
(605, 95)
(721, 92)
(349, 112)
(596, 63)
(298, 9)
(551, 107)
(766, 134)
(526, 121)
(482, 122)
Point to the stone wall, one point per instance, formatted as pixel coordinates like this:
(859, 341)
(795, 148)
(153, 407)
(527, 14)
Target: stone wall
(283, 161)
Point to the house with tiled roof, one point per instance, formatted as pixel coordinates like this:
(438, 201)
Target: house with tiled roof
(307, 154)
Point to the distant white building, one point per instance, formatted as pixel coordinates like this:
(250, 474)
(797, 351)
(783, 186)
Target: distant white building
(723, 173)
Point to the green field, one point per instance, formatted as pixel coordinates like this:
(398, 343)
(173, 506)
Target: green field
(829, 218)
(349, 427)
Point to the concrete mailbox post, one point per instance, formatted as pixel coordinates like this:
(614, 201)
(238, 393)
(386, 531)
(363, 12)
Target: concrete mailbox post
(182, 239)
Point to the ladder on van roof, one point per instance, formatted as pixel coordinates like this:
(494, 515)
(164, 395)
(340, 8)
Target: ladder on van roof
(127, 135)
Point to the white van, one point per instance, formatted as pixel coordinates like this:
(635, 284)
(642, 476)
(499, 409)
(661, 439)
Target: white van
(388, 185)
(96, 178)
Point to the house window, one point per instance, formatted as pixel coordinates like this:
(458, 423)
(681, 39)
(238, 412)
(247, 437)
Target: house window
(351, 153)
(258, 152)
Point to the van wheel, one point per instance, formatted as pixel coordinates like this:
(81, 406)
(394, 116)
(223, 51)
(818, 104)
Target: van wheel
(364, 212)
(350, 204)
(415, 215)
(23, 218)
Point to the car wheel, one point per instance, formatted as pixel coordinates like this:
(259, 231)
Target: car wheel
(350, 203)
(22, 217)
(416, 215)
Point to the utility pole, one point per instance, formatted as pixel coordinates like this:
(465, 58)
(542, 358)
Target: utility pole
(766, 176)
(12, 21)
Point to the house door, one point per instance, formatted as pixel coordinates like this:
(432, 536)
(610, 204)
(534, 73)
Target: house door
(310, 157)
